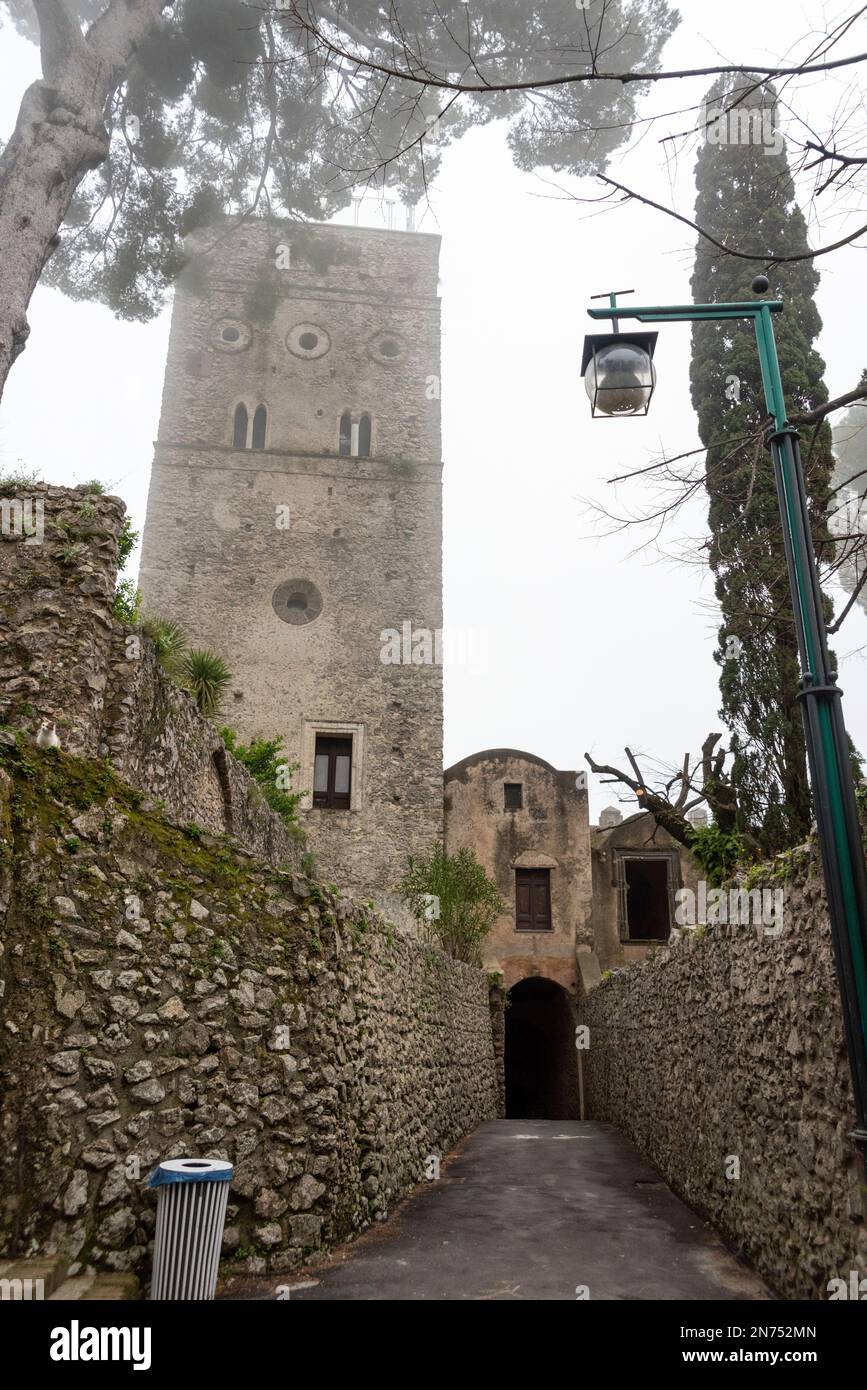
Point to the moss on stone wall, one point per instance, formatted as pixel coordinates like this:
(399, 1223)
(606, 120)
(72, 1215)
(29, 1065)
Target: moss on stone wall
(168, 993)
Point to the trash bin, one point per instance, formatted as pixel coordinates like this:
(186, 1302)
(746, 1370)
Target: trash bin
(192, 1197)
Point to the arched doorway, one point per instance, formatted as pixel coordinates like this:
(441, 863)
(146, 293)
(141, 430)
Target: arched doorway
(541, 1066)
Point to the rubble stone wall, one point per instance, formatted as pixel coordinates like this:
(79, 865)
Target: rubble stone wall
(722, 1057)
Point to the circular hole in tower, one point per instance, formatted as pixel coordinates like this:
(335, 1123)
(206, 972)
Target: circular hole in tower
(308, 340)
(389, 348)
(297, 601)
(230, 335)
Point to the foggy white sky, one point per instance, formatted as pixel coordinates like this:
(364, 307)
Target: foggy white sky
(589, 645)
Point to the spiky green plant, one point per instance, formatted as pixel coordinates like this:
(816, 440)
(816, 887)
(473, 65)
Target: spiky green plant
(207, 677)
(170, 642)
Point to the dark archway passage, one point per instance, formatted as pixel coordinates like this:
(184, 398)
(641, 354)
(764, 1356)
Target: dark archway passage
(541, 1064)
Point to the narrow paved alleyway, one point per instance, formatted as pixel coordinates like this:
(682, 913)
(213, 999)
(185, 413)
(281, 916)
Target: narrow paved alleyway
(530, 1209)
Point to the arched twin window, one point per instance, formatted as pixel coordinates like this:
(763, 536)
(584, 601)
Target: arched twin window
(346, 434)
(239, 437)
(355, 436)
(245, 437)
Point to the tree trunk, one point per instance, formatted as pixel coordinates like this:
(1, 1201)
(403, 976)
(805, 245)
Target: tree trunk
(60, 135)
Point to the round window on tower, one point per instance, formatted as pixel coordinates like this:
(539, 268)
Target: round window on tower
(297, 601)
(231, 335)
(308, 340)
(387, 348)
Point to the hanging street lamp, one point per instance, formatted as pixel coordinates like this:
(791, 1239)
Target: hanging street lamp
(618, 371)
(630, 378)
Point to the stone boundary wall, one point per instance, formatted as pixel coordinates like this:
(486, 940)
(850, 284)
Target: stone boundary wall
(64, 657)
(164, 994)
(728, 1043)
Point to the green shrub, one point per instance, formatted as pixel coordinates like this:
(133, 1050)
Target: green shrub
(453, 899)
(127, 599)
(16, 480)
(717, 851)
(126, 604)
(126, 542)
(269, 770)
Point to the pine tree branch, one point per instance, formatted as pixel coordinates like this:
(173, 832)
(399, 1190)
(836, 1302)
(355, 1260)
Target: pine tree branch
(766, 258)
(812, 416)
(838, 622)
(302, 16)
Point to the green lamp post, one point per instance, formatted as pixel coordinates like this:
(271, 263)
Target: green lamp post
(619, 376)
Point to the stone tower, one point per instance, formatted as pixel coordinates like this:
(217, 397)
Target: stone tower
(294, 518)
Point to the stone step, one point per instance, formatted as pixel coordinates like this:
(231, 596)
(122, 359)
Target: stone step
(114, 1287)
(73, 1288)
(50, 1271)
(91, 1285)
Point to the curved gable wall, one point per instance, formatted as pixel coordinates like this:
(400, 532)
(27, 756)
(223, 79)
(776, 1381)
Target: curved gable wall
(551, 829)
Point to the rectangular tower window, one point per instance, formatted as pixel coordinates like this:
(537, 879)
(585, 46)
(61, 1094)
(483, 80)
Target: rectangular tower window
(513, 796)
(533, 900)
(332, 773)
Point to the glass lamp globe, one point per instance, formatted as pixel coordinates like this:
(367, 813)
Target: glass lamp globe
(620, 379)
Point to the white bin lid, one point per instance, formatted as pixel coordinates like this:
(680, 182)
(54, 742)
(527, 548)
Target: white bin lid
(191, 1170)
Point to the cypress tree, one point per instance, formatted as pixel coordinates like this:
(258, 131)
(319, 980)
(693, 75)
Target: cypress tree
(745, 199)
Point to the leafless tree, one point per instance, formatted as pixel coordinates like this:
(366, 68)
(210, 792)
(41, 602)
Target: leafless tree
(696, 781)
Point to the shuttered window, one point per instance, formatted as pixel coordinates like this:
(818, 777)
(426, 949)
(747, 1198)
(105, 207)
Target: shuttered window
(533, 900)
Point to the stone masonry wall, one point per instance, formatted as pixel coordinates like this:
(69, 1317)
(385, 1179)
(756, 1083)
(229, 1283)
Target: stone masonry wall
(64, 657)
(166, 994)
(729, 1043)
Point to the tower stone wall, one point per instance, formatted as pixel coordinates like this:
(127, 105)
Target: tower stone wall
(291, 545)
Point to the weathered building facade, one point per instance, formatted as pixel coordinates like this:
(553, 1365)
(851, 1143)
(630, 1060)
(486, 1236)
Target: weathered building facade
(637, 869)
(577, 900)
(294, 526)
(527, 824)
(294, 517)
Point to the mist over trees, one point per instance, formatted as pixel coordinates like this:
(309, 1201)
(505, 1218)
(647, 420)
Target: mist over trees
(849, 494)
(157, 118)
(154, 120)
